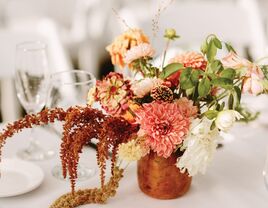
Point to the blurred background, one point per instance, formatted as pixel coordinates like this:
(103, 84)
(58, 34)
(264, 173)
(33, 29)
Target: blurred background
(77, 32)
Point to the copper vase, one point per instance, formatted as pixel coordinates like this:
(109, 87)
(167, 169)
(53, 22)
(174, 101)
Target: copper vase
(160, 178)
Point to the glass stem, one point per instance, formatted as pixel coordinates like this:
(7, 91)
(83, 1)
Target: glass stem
(33, 142)
(32, 137)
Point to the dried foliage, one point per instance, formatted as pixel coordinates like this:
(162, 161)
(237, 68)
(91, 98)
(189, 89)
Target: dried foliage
(83, 124)
(80, 125)
(88, 196)
(44, 117)
(161, 8)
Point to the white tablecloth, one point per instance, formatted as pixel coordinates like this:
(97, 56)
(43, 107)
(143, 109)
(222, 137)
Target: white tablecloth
(233, 180)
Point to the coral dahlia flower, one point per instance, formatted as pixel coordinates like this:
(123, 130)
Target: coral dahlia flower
(164, 125)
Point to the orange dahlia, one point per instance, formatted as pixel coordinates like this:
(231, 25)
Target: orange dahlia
(124, 43)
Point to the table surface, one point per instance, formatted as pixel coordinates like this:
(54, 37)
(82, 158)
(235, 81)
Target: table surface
(233, 180)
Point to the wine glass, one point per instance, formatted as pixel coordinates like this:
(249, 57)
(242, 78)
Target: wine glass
(70, 88)
(265, 171)
(31, 81)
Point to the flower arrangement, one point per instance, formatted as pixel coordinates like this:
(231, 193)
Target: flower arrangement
(179, 106)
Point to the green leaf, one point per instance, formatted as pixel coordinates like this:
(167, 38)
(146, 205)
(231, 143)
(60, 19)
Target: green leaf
(185, 79)
(216, 66)
(223, 82)
(170, 69)
(238, 94)
(212, 51)
(247, 114)
(264, 69)
(189, 91)
(211, 114)
(204, 87)
(230, 47)
(231, 101)
(265, 86)
(222, 106)
(217, 43)
(204, 47)
(212, 75)
(195, 76)
(213, 125)
(228, 73)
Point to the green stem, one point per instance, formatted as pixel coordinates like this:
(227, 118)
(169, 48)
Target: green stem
(131, 112)
(203, 105)
(164, 54)
(141, 68)
(222, 95)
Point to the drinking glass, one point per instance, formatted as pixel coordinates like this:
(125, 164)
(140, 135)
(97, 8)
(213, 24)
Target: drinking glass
(31, 81)
(70, 88)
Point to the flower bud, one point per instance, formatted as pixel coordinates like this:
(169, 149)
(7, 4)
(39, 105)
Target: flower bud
(226, 119)
(171, 34)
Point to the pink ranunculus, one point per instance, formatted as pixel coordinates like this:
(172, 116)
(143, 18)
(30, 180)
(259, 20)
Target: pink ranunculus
(140, 51)
(186, 107)
(144, 86)
(164, 126)
(232, 60)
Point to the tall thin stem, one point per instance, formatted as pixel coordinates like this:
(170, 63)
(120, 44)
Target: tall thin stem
(164, 54)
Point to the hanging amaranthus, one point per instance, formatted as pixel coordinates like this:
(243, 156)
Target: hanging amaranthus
(80, 125)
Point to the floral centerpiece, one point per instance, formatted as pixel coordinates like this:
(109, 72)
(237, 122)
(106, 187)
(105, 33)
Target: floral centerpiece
(168, 118)
(179, 106)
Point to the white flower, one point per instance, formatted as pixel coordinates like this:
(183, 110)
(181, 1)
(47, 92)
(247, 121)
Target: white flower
(200, 146)
(139, 51)
(226, 119)
(130, 151)
(144, 86)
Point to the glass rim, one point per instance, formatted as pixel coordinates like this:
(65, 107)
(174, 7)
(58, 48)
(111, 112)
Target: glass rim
(74, 71)
(36, 46)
